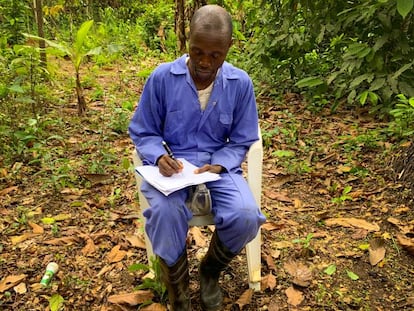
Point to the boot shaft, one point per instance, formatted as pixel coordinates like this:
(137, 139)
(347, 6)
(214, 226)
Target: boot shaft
(176, 279)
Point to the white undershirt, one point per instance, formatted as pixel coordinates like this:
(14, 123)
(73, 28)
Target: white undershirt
(204, 95)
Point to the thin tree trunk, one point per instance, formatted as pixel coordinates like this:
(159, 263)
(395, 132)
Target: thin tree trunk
(38, 9)
(180, 25)
(81, 98)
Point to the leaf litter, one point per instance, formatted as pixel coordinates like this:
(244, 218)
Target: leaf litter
(94, 232)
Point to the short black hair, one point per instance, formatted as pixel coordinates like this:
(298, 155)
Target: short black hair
(212, 18)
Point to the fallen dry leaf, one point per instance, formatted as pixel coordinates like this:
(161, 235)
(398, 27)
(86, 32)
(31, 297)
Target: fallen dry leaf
(136, 241)
(245, 298)
(20, 289)
(10, 281)
(67, 240)
(274, 195)
(154, 307)
(282, 245)
(36, 228)
(352, 222)
(116, 255)
(8, 190)
(132, 299)
(268, 282)
(21, 238)
(295, 297)
(270, 262)
(281, 180)
(406, 243)
(271, 225)
(302, 275)
(376, 251)
(198, 237)
(89, 248)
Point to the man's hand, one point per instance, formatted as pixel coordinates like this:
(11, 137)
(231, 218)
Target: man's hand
(168, 166)
(215, 168)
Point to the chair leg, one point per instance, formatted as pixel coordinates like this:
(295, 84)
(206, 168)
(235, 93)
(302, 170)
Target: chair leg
(253, 253)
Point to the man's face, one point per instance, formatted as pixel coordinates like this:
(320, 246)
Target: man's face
(207, 52)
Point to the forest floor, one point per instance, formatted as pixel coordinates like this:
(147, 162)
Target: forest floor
(337, 237)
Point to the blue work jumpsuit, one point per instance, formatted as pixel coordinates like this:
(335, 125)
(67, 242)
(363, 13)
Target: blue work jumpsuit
(169, 109)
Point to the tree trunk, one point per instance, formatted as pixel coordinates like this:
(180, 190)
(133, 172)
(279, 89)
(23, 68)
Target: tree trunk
(404, 167)
(180, 25)
(81, 98)
(38, 9)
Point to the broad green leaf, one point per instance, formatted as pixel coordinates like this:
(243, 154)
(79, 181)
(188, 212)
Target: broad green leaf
(332, 77)
(401, 70)
(48, 220)
(352, 275)
(358, 80)
(330, 270)
(380, 42)
(363, 97)
(81, 35)
(95, 51)
(377, 84)
(138, 267)
(356, 48)
(347, 190)
(56, 302)
(404, 7)
(283, 153)
(16, 89)
(364, 246)
(309, 82)
(373, 97)
(364, 52)
(114, 48)
(52, 44)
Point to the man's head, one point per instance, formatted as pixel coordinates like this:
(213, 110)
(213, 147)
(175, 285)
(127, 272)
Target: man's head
(210, 39)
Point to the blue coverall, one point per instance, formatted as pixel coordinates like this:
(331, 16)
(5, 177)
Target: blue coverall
(169, 109)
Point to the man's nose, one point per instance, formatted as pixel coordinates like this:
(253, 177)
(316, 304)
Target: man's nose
(205, 61)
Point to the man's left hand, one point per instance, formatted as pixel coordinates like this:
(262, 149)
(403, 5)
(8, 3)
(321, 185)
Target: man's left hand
(215, 168)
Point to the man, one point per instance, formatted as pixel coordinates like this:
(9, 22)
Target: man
(205, 109)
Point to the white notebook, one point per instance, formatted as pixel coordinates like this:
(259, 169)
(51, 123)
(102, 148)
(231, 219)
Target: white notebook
(168, 185)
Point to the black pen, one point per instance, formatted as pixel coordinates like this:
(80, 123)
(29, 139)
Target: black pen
(168, 149)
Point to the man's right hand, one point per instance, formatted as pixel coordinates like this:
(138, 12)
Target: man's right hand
(168, 166)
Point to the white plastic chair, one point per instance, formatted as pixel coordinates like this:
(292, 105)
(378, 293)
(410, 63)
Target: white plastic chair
(254, 178)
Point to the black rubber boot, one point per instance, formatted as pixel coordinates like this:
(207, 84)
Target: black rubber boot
(177, 279)
(216, 260)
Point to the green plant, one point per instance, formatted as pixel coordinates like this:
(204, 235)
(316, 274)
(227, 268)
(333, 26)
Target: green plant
(77, 52)
(155, 283)
(349, 52)
(344, 196)
(403, 114)
(306, 242)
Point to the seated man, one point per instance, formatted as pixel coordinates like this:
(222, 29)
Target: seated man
(205, 109)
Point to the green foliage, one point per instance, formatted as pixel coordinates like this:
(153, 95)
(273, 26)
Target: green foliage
(344, 196)
(121, 118)
(155, 284)
(77, 53)
(56, 302)
(403, 114)
(359, 51)
(14, 17)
